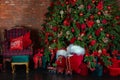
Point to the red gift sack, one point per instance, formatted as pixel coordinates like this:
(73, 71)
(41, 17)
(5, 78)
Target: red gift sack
(84, 69)
(114, 70)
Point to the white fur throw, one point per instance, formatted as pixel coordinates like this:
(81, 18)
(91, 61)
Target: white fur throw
(75, 49)
(61, 52)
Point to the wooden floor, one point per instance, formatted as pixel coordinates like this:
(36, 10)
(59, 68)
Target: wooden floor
(41, 74)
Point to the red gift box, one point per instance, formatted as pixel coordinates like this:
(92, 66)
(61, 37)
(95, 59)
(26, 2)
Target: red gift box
(114, 70)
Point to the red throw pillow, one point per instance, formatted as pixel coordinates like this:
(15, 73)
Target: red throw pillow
(26, 40)
(16, 43)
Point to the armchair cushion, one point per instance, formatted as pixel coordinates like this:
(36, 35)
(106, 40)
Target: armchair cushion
(26, 40)
(16, 43)
(23, 58)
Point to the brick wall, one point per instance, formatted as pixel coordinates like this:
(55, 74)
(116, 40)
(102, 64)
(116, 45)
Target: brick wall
(22, 12)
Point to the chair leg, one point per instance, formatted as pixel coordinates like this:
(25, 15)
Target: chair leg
(26, 64)
(27, 68)
(13, 68)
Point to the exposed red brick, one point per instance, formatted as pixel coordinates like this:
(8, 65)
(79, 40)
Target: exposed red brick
(22, 12)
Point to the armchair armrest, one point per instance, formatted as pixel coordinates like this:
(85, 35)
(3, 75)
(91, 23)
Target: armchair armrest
(5, 45)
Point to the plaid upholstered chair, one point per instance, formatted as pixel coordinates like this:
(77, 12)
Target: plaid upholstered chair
(17, 47)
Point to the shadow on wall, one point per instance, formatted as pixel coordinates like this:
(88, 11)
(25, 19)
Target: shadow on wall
(35, 35)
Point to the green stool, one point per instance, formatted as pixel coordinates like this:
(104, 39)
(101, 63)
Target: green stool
(20, 60)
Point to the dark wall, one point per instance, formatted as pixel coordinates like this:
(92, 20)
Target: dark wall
(22, 12)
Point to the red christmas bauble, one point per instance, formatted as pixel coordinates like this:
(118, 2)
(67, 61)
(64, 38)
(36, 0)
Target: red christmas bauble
(66, 22)
(89, 7)
(91, 16)
(42, 50)
(107, 35)
(47, 33)
(104, 21)
(55, 28)
(95, 53)
(100, 5)
(109, 7)
(81, 14)
(54, 40)
(93, 42)
(93, 1)
(51, 50)
(90, 36)
(74, 0)
(66, 2)
(90, 23)
(117, 17)
(112, 37)
(46, 41)
(99, 13)
(101, 28)
(97, 32)
(104, 51)
(83, 27)
(72, 30)
(73, 40)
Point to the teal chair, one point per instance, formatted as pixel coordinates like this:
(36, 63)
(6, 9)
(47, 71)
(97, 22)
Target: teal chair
(20, 60)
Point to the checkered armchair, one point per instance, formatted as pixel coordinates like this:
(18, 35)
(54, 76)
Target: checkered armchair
(14, 33)
(17, 55)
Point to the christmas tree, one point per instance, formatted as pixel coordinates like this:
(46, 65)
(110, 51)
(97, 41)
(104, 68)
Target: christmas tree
(92, 24)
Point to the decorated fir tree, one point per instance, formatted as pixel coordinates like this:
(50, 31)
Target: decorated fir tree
(92, 24)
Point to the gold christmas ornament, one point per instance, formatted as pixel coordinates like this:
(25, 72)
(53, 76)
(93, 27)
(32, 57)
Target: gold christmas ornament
(74, 11)
(82, 34)
(67, 37)
(51, 26)
(61, 12)
(99, 51)
(68, 32)
(85, 19)
(90, 36)
(105, 40)
(60, 34)
(69, 10)
(106, 13)
(50, 47)
(79, 38)
(81, 6)
(74, 21)
(98, 21)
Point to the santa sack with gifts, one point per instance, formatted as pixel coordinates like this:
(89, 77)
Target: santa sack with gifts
(74, 59)
(61, 61)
